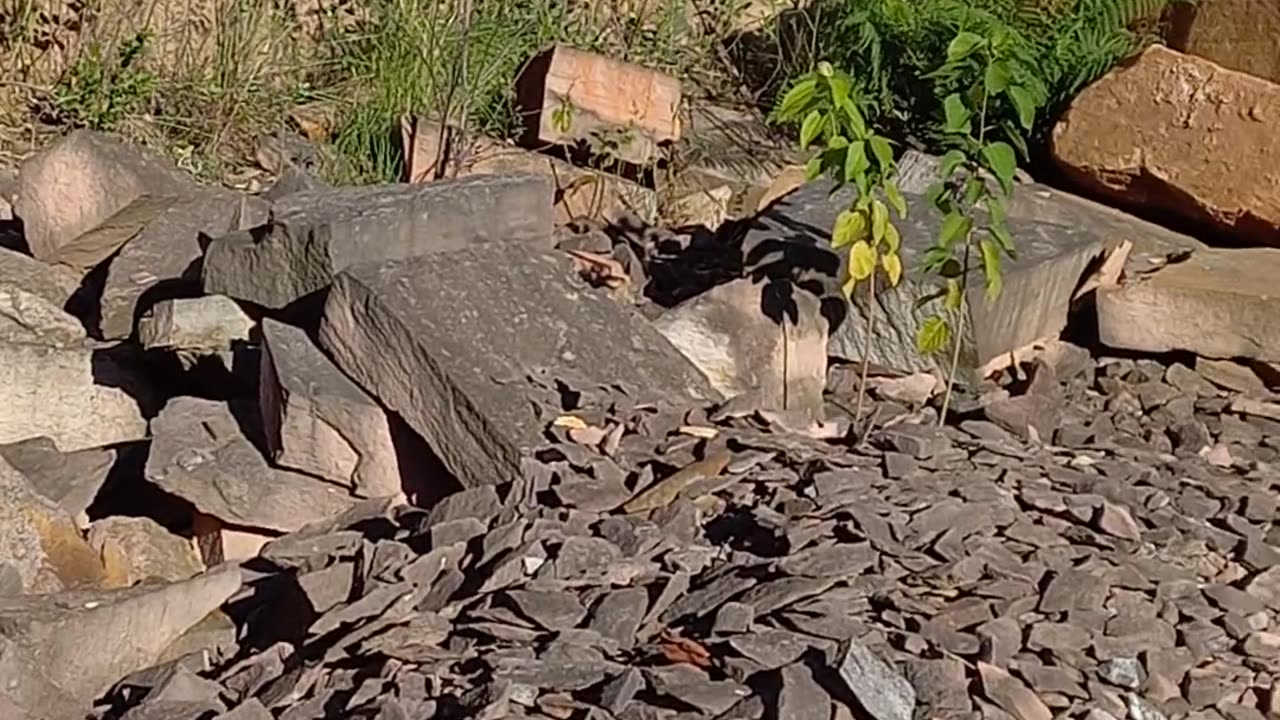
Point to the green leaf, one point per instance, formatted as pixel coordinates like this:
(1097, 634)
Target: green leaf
(974, 188)
(957, 115)
(934, 258)
(954, 296)
(950, 162)
(933, 335)
(850, 227)
(883, 152)
(892, 238)
(879, 219)
(996, 78)
(1024, 104)
(991, 268)
(855, 161)
(813, 168)
(810, 128)
(1003, 163)
(954, 227)
(892, 265)
(963, 45)
(862, 260)
(856, 122)
(841, 87)
(797, 100)
(896, 200)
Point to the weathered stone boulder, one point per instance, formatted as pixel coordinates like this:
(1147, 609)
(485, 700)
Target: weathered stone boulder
(1219, 303)
(41, 541)
(83, 642)
(137, 549)
(55, 285)
(28, 318)
(82, 180)
(200, 454)
(314, 234)
(71, 395)
(792, 239)
(1239, 35)
(1179, 136)
(70, 479)
(203, 325)
(448, 340)
(747, 337)
(318, 421)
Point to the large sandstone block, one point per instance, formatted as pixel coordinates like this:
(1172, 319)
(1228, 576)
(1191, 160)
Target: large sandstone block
(203, 325)
(162, 260)
(314, 234)
(199, 453)
(82, 180)
(318, 421)
(1218, 303)
(448, 341)
(794, 234)
(1240, 35)
(53, 392)
(755, 337)
(53, 284)
(41, 541)
(1177, 135)
(569, 95)
(70, 479)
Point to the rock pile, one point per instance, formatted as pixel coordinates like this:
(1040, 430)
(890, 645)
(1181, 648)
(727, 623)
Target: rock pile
(427, 451)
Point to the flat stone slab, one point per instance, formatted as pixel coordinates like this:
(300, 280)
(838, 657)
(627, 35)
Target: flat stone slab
(448, 341)
(52, 392)
(1219, 303)
(1052, 258)
(318, 421)
(314, 234)
(71, 480)
(199, 453)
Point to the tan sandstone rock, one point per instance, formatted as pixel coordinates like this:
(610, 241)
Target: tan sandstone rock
(1177, 135)
(1241, 35)
(41, 541)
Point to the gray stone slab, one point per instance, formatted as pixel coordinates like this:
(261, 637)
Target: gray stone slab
(1038, 286)
(448, 341)
(314, 234)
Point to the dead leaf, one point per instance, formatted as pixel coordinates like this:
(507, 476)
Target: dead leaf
(600, 269)
(1108, 274)
(665, 491)
(678, 649)
(699, 431)
(570, 421)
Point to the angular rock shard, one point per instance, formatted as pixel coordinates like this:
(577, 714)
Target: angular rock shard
(747, 336)
(318, 421)
(85, 641)
(41, 541)
(71, 480)
(206, 324)
(1218, 303)
(52, 392)
(793, 236)
(82, 180)
(199, 454)
(1146, 136)
(448, 341)
(314, 234)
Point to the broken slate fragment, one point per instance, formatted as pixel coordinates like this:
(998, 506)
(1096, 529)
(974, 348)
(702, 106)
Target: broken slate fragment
(883, 693)
(39, 542)
(71, 480)
(199, 454)
(318, 421)
(552, 610)
(429, 336)
(692, 686)
(800, 696)
(201, 326)
(314, 234)
(1011, 694)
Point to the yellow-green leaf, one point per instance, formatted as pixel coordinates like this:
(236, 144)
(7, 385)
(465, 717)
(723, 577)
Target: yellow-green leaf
(991, 268)
(892, 265)
(850, 227)
(849, 284)
(813, 168)
(898, 202)
(879, 219)
(810, 128)
(954, 298)
(855, 160)
(883, 152)
(862, 260)
(954, 227)
(796, 99)
(933, 335)
(892, 238)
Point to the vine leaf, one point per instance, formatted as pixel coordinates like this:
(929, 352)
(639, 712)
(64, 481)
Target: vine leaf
(892, 265)
(1003, 163)
(862, 260)
(933, 335)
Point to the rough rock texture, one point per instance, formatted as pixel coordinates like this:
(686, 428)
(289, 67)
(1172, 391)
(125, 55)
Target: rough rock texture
(28, 318)
(70, 479)
(749, 337)
(1195, 143)
(206, 324)
(318, 421)
(1216, 303)
(84, 642)
(162, 260)
(793, 237)
(138, 549)
(316, 233)
(53, 284)
(54, 393)
(41, 541)
(88, 249)
(458, 342)
(82, 180)
(1239, 35)
(200, 454)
